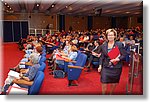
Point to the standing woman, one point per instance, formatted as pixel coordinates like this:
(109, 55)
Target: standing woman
(110, 73)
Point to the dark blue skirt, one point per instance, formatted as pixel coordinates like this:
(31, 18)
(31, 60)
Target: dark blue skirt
(110, 75)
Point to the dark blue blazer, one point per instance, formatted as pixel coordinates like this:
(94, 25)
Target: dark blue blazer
(104, 58)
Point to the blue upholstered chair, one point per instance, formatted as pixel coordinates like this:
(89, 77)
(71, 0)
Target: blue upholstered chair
(34, 89)
(64, 67)
(42, 67)
(44, 54)
(75, 70)
(42, 59)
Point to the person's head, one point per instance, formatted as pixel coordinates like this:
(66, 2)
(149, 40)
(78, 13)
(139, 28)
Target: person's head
(111, 34)
(131, 38)
(74, 48)
(29, 46)
(39, 49)
(121, 39)
(96, 42)
(67, 43)
(34, 58)
(53, 38)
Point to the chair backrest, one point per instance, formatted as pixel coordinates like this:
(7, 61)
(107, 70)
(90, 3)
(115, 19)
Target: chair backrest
(42, 66)
(34, 89)
(79, 52)
(42, 59)
(74, 73)
(44, 54)
(81, 60)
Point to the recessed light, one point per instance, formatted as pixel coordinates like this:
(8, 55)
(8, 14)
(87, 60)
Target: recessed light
(127, 12)
(8, 6)
(5, 3)
(53, 5)
(37, 5)
(70, 8)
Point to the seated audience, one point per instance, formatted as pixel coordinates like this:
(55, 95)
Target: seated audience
(26, 76)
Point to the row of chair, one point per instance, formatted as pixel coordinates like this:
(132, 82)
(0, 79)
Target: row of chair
(38, 80)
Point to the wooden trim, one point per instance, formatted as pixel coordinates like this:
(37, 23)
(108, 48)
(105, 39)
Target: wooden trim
(78, 67)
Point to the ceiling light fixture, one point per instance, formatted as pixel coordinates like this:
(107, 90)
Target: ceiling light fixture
(127, 12)
(5, 3)
(53, 5)
(37, 5)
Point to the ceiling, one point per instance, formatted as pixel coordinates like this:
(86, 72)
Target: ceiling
(75, 7)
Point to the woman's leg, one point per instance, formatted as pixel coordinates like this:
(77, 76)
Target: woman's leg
(104, 88)
(90, 60)
(112, 87)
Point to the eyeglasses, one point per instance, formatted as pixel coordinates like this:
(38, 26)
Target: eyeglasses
(110, 35)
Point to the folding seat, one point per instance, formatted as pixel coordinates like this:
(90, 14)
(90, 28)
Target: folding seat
(75, 70)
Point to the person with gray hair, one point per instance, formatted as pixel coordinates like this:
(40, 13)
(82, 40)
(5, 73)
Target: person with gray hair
(26, 75)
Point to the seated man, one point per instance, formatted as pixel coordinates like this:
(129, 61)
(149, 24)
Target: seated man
(95, 53)
(26, 76)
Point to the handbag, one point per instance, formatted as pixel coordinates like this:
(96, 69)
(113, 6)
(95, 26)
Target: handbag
(58, 74)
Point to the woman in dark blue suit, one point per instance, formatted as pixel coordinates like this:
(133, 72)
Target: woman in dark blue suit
(110, 73)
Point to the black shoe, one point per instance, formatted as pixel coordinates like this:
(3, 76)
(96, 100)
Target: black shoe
(87, 66)
(48, 59)
(72, 85)
(5, 89)
(14, 69)
(49, 64)
(51, 73)
(87, 70)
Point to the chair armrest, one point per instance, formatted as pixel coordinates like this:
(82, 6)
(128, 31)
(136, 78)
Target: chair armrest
(70, 61)
(24, 82)
(66, 60)
(28, 63)
(78, 67)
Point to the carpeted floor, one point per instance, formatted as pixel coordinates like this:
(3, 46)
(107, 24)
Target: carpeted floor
(88, 83)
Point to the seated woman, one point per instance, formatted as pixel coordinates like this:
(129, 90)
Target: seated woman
(26, 76)
(70, 57)
(52, 43)
(25, 63)
(61, 52)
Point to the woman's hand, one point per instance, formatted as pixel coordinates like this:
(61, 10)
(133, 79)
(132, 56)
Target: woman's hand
(115, 60)
(99, 68)
(21, 75)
